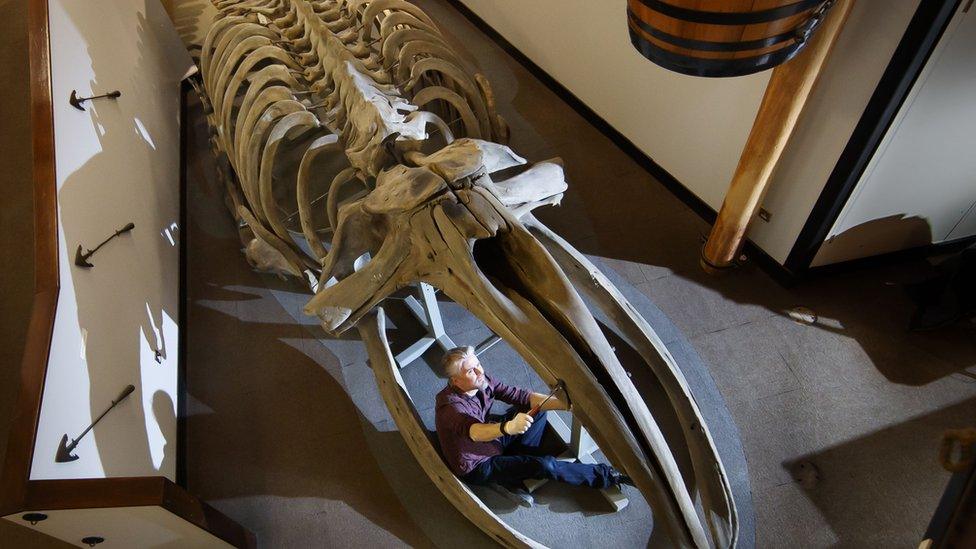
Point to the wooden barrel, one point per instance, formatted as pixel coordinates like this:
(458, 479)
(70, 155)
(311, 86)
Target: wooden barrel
(722, 37)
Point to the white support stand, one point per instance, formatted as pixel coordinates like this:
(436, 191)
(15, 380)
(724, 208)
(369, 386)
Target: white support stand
(428, 312)
(581, 445)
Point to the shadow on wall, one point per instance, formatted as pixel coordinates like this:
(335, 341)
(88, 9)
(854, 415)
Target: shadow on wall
(192, 19)
(887, 234)
(128, 302)
(162, 407)
(857, 474)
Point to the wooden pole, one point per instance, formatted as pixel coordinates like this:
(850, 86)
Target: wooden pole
(786, 94)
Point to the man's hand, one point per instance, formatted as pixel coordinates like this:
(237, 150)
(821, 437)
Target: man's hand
(483, 432)
(518, 424)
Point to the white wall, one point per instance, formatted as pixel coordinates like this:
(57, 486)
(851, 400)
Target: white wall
(117, 162)
(696, 127)
(920, 186)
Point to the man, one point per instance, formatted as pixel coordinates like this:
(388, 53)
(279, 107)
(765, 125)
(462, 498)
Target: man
(484, 450)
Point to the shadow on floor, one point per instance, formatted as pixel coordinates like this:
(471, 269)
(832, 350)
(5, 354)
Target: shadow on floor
(856, 475)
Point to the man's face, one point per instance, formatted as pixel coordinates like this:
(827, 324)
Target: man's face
(471, 376)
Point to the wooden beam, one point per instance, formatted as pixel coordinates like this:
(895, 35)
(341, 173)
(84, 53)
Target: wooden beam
(786, 95)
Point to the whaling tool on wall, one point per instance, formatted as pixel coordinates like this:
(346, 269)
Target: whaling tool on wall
(64, 448)
(76, 101)
(81, 259)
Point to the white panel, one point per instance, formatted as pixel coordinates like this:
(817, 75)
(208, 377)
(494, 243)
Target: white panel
(922, 180)
(116, 162)
(148, 526)
(966, 226)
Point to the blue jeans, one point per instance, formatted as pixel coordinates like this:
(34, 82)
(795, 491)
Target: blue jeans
(517, 463)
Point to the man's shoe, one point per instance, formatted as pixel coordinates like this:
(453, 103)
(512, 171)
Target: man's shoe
(617, 478)
(515, 494)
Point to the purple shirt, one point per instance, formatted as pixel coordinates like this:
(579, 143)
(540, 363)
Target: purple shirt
(456, 412)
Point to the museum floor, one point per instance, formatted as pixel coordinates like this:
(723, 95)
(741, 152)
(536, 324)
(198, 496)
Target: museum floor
(286, 435)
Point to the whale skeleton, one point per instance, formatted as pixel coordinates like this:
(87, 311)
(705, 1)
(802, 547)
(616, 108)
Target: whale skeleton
(363, 104)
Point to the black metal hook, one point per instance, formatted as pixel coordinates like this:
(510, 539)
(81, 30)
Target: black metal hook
(64, 454)
(81, 259)
(77, 101)
(34, 518)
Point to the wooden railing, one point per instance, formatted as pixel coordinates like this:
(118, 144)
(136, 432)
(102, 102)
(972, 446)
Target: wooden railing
(20, 444)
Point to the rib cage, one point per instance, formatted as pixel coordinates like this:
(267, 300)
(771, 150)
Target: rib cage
(349, 69)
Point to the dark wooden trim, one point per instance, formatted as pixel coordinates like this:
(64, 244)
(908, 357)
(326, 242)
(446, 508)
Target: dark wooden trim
(196, 511)
(183, 329)
(20, 442)
(89, 493)
(920, 38)
(697, 205)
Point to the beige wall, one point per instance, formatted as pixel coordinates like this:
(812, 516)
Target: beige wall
(696, 127)
(859, 58)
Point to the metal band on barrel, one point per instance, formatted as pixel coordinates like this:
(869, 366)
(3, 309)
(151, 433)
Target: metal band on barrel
(696, 66)
(706, 45)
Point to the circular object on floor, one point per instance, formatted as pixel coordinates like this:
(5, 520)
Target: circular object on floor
(806, 474)
(802, 315)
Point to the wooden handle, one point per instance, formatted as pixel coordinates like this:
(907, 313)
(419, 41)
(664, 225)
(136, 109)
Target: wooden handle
(786, 94)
